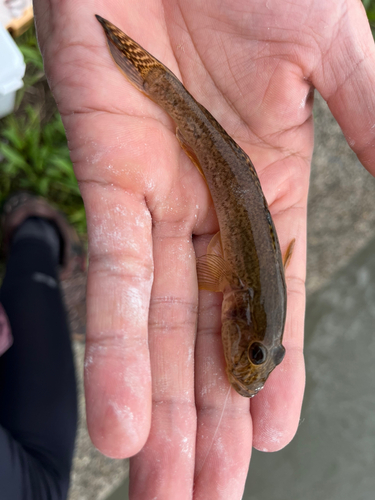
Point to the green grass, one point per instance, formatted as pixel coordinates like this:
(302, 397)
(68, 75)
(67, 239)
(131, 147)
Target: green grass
(36, 159)
(369, 5)
(34, 155)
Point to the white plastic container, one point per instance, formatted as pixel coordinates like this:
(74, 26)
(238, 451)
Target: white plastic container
(12, 70)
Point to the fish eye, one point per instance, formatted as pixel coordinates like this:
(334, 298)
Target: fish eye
(257, 353)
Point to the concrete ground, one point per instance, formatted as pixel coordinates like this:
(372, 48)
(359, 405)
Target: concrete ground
(333, 453)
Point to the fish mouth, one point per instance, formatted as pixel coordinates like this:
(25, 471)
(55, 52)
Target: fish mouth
(242, 389)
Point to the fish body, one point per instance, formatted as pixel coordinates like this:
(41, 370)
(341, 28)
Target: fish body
(243, 261)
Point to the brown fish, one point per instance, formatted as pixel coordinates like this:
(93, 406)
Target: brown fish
(243, 260)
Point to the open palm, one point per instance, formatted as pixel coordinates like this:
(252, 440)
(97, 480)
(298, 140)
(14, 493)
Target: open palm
(155, 382)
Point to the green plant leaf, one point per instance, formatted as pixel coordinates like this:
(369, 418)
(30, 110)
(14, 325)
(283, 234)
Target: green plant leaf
(12, 133)
(63, 165)
(33, 153)
(44, 185)
(12, 155)
(31, 55)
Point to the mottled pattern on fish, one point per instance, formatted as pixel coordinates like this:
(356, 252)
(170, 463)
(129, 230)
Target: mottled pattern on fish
(245, 261)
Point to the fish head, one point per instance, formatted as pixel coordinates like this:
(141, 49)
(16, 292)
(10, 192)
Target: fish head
(249, 360)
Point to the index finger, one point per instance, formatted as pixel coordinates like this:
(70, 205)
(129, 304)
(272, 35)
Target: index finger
(117, 365)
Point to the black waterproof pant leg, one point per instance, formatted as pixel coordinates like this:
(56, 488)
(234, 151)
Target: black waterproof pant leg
(38, 403)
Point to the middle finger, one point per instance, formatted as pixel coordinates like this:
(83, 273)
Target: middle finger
(166, 463)
(224, 428)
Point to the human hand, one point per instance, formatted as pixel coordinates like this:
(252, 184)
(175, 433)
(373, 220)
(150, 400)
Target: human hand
(252, 65)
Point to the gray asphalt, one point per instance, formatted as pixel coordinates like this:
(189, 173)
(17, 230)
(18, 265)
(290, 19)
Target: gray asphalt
(333, 453)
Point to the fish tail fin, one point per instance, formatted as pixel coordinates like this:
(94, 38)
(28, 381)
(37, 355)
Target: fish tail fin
(133, 60)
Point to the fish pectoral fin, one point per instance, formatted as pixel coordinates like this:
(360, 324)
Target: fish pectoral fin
(215, 246)
(214, 273)
(189, 152)
(288, 253)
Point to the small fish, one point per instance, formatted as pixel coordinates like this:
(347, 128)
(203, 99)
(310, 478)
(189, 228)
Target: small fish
(243, 260)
